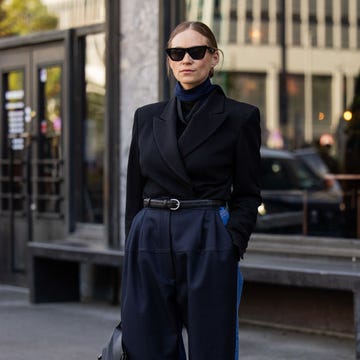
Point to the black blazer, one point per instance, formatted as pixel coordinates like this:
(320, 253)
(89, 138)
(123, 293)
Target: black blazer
(216, 157)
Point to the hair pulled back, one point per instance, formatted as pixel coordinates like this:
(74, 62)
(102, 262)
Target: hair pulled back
(199, 27)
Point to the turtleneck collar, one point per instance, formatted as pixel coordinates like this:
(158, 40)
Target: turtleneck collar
(195, 93)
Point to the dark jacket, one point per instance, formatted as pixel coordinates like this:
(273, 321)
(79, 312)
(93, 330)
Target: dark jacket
(216, 157)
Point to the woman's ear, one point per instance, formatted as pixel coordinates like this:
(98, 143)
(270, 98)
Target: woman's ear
(215, 58)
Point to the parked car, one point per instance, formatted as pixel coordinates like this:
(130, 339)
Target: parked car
(311, 158)
(296, 200)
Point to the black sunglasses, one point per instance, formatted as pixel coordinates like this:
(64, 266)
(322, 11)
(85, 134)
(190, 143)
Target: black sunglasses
(196, 52)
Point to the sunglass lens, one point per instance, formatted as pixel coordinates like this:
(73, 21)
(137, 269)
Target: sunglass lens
(176, 54)
(197, 52)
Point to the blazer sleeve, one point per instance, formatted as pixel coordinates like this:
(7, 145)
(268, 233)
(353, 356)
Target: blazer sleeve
(135, 181)
(246, 198)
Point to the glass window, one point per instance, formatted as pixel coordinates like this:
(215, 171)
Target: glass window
(233, 22)
(328, 8)
(344, 23)
(49, 167)
(93, 131)
(313, 34)
(264, 31)
(329, 34)
(293, 131)
(345, 8)
(312, 8)
(328, 23)
(312, 23)
(321, 89)
(345, 33)
(248, 30)
(265, 6)
(296, 22)
(279, 12)
(287, 174)
(217, 18)
(264, 22)
(296, 33)
(345, 36)
(296, 7)
(249, 22)
(244, 87)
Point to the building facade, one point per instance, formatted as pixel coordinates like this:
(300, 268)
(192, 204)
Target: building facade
(315, 43)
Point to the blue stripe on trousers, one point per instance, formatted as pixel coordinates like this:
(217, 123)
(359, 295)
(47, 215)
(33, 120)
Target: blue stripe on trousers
(240, 283)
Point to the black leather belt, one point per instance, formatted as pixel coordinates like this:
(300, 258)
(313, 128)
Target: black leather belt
(175, 204)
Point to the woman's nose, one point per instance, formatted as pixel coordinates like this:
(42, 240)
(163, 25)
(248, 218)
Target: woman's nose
(187, 58)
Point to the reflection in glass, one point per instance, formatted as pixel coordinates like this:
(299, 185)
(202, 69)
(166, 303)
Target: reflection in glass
(345, 35)
(93, 130)
(50, 146)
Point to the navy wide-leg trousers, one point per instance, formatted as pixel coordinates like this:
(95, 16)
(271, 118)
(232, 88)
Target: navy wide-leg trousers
(180, 270)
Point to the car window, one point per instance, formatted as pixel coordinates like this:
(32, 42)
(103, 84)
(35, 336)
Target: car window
(315, 163)
(307, 179)
(287, 174)
(276, 175)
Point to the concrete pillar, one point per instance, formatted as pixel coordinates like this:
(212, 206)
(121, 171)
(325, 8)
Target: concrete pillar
(272, 23)
(241, 14)
(272, 99)
(225, 22)
(139, 71)
(208, 13)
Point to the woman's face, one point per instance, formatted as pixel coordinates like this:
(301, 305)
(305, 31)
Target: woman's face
(190, 72)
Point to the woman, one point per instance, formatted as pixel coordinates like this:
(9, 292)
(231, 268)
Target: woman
(191, 158)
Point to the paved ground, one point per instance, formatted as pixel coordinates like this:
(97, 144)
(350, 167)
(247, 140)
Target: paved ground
(78, 331)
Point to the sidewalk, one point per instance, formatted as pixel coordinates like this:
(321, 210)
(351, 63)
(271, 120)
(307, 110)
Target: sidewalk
(75, 331)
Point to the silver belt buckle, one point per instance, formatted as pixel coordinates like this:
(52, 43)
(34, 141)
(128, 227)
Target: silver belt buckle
(176, 206)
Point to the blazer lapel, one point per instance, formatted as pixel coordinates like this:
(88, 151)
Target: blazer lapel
(204, 123)
(166, 141)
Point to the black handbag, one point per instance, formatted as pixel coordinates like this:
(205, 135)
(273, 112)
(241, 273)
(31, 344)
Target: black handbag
(113, 350)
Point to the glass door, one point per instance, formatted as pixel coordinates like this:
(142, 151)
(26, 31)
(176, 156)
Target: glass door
(91, 209)
(14, 186)
(31, 144)
(47, 150)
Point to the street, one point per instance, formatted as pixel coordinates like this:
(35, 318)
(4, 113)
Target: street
(77, 331)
